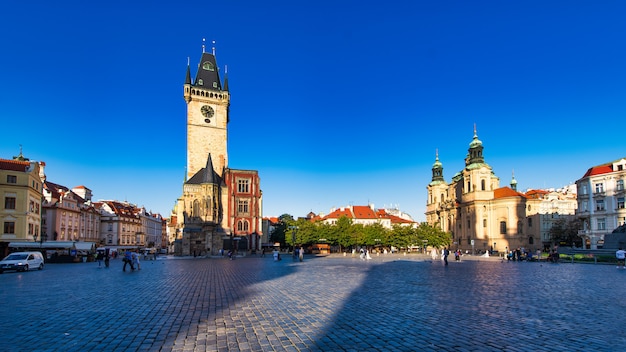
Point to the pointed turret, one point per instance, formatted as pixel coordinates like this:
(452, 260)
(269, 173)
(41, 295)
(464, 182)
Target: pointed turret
(437, 169)
(226, 78)
(209, 174)
(513, 182)
(475, 151)
(208, 76)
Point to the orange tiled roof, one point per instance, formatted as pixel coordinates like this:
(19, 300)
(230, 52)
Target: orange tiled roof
(504, 192)
(339, 213)
(363, 212)
(599, 170)
(14, 165)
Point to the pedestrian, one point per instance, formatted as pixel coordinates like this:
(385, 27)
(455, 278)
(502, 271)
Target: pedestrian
(106, 258)
(457, 255)
(263, 252)
(433, 254)
(135, 256)
(99, 259)
(620, 255)
(128, 260)
(301, 253)
(275, 254)
(446, 252)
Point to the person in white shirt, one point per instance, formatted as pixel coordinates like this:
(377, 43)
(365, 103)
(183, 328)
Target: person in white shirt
(620, 255)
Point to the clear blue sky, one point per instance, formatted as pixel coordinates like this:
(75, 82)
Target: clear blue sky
(334, 102)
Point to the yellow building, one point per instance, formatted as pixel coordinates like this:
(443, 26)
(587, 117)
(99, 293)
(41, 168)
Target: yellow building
(20, 214)
(478, 213)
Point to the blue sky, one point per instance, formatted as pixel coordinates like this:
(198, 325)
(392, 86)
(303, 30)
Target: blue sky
(334, 102)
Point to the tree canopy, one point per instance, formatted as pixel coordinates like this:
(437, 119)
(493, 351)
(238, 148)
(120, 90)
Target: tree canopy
(345, 233)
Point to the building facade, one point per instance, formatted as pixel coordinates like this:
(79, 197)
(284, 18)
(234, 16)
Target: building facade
(601, 206)
(220, 208)
(21, 191)
(478, 213)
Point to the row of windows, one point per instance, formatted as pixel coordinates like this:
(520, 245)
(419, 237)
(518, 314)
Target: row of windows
(600, 204)
(599, 187)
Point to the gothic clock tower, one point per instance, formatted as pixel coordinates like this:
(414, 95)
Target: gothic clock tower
(207, 117)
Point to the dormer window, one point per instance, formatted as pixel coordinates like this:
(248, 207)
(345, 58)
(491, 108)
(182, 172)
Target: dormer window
(208, 66)
(214, 84)
(200, 82)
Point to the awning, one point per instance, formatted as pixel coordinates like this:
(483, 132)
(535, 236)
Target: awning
(81, 246)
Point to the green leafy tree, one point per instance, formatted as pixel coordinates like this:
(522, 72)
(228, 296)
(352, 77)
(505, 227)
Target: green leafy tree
(435, 236)
(565, 233)
(280, 230)
(374, 234)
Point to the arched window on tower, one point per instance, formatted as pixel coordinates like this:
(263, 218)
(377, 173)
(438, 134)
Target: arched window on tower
(482, 185)
(195, 211)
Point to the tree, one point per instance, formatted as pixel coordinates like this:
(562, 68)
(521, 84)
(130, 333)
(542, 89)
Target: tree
(565, 233)
(280, 230)
(435, 236)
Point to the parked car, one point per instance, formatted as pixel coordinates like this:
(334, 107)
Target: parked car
(22, 261)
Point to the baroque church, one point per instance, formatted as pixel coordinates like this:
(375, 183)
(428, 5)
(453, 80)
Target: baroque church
(220, 208)
(478, 213)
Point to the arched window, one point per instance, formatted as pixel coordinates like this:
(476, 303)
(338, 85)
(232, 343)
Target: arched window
(482, 185)
(531, 240)
(195, 211)
(208, 66)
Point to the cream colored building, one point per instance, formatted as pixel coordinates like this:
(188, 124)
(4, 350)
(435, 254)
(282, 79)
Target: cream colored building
(601, 196)
(478, 213)
(20, 210)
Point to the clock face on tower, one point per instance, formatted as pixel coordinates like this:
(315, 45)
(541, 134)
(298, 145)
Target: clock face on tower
(207, 111)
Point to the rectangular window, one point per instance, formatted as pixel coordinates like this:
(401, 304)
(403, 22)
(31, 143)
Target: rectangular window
(484, 222)
(584, 189)
(503, 227)
(620, 203)
(601, 224)
(584, 206)
(11, 179)
(242, 206)
(600, 205)
(9, 203)
(530, 222)
(243, 186)
(599, 187)
(9, 227)
(620, 185)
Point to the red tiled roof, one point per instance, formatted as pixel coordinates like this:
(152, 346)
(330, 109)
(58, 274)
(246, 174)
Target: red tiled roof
(599, 170)
(505, 192)
(14, 165)
(536, 193)
(363, 212)
(339, 213)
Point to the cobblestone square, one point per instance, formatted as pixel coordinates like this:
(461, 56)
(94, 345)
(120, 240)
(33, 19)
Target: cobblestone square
(335, 303)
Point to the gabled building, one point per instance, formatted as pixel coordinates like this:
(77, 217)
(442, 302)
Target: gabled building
(601, 204)
(20, 210)
(366, 215)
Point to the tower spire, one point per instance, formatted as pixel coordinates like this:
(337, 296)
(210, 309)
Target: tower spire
(213, 47)
(203, 45)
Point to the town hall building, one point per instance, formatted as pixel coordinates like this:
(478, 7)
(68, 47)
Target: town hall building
(220, 207)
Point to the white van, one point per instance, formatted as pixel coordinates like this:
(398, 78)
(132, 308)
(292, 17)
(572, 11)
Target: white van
(22, 261)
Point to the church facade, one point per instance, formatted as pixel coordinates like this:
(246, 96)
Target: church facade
(220, 208)
(478, 213)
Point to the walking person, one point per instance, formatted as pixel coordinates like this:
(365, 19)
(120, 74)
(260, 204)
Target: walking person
(99, 259)
(620, 255)
(446, 252)
(128, 260)
(136, 263)
(301, 254)
(106, 258)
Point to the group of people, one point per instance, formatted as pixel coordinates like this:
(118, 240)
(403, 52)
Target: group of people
(132, 259)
